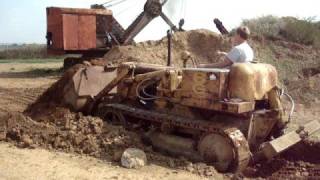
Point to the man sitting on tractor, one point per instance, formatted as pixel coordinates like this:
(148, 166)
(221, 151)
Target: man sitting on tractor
(240, 53)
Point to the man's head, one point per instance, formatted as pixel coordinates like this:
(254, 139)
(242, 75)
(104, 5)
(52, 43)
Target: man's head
(242, 34)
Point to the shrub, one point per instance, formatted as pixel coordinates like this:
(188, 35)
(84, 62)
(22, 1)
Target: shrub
(267, 26)
(303, 31)
(32, 51)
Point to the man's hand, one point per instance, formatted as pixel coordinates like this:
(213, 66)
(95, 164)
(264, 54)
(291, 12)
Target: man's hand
(222, 64)
(221, 53)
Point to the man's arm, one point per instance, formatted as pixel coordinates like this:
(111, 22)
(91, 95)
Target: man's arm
(225, 63)
(229, 59)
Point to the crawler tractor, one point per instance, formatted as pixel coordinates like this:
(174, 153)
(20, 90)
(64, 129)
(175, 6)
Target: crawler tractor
(224, 117)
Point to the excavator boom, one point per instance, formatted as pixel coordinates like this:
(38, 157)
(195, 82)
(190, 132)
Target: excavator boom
(152, 10)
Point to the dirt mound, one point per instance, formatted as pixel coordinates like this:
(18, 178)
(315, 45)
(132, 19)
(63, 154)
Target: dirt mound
(305, 90)
(72, 132)
(298, 67)
(201, 44)
(300, 162)
(53, 96)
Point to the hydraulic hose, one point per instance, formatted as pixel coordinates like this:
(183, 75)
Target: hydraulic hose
(292, 105)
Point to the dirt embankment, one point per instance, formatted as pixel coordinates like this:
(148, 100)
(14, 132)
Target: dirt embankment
(201, 44)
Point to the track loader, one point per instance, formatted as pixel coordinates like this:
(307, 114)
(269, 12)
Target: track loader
(225, 117)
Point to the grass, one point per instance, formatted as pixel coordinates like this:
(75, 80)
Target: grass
(44, 71)
(31, 61)
(304, 31)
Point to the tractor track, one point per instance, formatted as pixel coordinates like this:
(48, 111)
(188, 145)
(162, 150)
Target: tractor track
(17, 99)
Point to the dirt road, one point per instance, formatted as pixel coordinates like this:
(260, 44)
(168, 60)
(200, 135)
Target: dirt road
(42, 164)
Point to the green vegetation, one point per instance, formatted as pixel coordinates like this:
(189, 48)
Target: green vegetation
(44, 72)
(304, 31)
(31, 61)
(29, 51)
(267, 26)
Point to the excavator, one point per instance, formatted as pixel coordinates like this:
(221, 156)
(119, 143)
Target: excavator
(92, 32)
(229, 118)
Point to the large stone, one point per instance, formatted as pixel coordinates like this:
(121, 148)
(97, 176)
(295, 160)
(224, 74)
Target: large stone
(133, 158)
(27, 140)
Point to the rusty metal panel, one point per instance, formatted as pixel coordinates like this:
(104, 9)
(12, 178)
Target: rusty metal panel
(77, 29)
(82, 11)
(54, 26)
(104, 23)
(87, 32)
(70, 32)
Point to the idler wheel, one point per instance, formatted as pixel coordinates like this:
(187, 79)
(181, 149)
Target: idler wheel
(226, 151)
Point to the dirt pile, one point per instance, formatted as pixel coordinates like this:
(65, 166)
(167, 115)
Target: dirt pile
(53, 96)
(305, 89)
(201, 44)
(70, 132)
(300, 162)
(74, 133)
(298, 67)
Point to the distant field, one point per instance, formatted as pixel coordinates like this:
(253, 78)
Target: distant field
(31, 61)
(36, 67)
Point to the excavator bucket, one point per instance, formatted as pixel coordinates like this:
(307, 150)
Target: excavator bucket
(86, 83)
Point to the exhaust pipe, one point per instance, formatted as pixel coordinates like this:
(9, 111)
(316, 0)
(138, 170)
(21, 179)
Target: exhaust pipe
(169, 35)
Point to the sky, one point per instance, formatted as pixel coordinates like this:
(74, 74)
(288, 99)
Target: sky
(24, 21)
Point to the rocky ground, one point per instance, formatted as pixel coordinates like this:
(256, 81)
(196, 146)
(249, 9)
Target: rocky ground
(53, 128)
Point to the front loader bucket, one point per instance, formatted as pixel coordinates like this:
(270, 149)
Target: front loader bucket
(85, 84)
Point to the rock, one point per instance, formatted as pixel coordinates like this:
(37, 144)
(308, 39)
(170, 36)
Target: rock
(27, 140)
(171, 163)
(305, 174)
(133, 158)
(190, 168)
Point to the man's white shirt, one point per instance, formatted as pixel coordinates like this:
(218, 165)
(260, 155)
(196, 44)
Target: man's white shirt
(241, 53)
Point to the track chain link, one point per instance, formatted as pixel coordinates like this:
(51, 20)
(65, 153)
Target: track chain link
(237, 139)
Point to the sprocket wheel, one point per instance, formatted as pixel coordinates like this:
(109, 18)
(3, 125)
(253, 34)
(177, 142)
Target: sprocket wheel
(227, 150)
